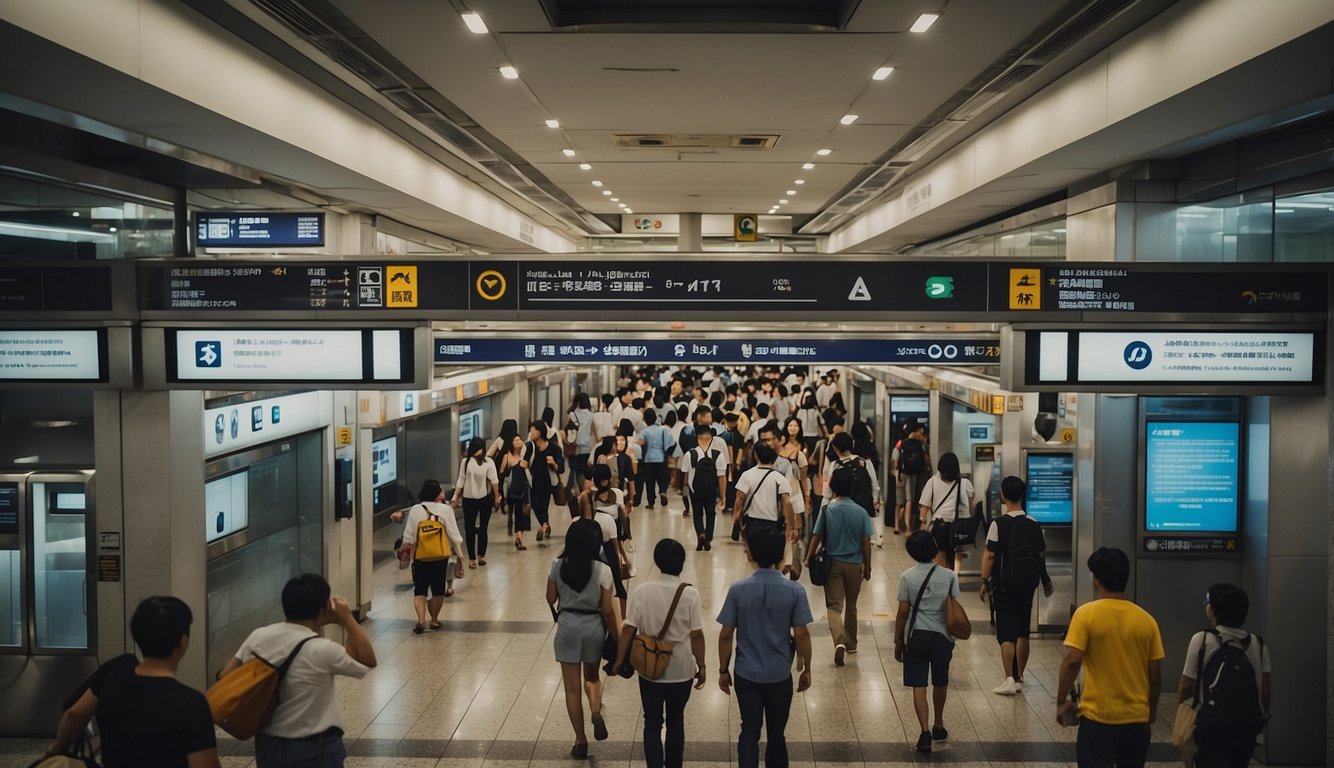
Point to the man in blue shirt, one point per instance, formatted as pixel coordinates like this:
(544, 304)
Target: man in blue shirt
(656, 440)
(767, 615)
(845, 529)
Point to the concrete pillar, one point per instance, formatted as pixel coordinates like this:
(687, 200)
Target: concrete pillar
(690, 238)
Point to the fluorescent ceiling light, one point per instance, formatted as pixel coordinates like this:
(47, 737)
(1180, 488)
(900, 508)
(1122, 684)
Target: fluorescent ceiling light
(597, 183)
(924, 22)
(799, 181)
(585, 167)
(616, 199)
(606, 192)
(553, 123)
(882, 73)
(627, 210)
(792, 191)
(475, 23)
(823, 152)
(807, 166)
(849, 119)
(1284, 210)
(622, 205)
(783, 201)
(509, 73)
(568, 152)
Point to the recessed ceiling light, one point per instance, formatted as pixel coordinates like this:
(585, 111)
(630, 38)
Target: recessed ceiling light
(799, 181)
(783, 201)
(113, 229)
(807, 166)
(616, 199)
(792, 192)
(75, 214)
(509, 73)
(597, 183)
(823, 152)
(568, 152)
(627, 210)
(882, 73)
(553, 123)
(475, 23)
(585, 167)
(606, 192)
(848, 119)
(924, 22)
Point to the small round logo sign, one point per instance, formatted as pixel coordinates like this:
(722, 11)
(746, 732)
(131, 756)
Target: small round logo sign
(1138, 355)
(491, 285)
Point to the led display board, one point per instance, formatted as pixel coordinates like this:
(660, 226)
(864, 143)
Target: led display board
(938, 351)
(1051, 488)
(1192, 476)
(53, 355)
(259, 229)
(384, 461)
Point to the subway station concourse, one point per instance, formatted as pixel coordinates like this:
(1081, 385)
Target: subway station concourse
(267, 267)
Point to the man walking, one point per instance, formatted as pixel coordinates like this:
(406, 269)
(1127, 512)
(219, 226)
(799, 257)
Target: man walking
(767, 617)
(1012, 567)
(845, 529)
(1118, 645)
(657, 443)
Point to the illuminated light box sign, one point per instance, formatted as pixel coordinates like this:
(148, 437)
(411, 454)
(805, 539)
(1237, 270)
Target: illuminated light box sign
(384, 458)
(1191, 476)
(53, 356)
(259, 229)
(1180, 359)
(1051, 488)
(226, 505)
(289, 356)
(970, 351)
(236, 425)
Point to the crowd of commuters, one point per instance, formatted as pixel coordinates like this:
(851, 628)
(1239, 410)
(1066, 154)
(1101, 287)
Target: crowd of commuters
(803, 494)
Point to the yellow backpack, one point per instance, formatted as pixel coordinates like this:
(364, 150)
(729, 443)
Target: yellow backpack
(432, 543)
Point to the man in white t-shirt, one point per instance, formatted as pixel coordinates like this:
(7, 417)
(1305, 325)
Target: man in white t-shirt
(704, 495)
(306, 728)
(764, 496)
(603, 425)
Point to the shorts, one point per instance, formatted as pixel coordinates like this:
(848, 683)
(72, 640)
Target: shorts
(1013, 611)
(943, 534)
(900, 495)
(429, 576)
(937, 662)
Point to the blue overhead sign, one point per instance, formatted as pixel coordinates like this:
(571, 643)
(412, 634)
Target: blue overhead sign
(941, 351)
(266, 229)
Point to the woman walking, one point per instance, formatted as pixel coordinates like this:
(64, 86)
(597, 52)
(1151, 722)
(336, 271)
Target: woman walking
(518, 486)
(430, 569)
(608, 506)
(581, 585)
(580, 424)
(946, 498)
(922, 641)
(479, 489)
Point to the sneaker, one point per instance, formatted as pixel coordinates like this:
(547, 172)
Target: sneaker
(1006, 688)
(939, 733)
(840, 651)
(924, 742)
(579, 751)
(880, 542)
(852, 649)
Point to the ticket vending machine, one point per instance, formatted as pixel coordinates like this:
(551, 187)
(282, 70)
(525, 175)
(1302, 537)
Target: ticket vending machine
(1049, 473)
(47, 595)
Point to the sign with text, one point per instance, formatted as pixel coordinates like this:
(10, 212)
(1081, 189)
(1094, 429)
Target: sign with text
(55, 355)
(259, 229)
(236, 425)
(289, 356)
(1051, 488)
(943, 351)
(1191, 476)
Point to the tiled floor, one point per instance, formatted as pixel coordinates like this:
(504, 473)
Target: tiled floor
(485, 691)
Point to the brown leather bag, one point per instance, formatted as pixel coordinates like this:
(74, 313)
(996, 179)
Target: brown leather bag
(649, 655)
(956, 621)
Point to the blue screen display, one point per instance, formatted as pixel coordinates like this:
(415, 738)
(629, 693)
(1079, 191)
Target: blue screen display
(1051, 488)
(1191, 476)
(268, 229)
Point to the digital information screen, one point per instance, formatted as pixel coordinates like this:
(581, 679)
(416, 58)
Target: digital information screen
(1051, 488)
(225, 505)
(298, 356)
(1191, 476)
(384, 458)
(9, 509)
(65, 355)
(470, 426)
(259, 229)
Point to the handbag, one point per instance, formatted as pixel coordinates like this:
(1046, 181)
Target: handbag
(819, 567)
(81, 756)
(650, 655)
(956, 620)
(918, 644)
(965, 531)
(1183, 727)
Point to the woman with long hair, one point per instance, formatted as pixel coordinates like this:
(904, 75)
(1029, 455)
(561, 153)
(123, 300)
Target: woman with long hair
(579, 425)
(609, 507)
(478, 487)
(581, 585)
(518, 487)
(792, 446)
(501, 445)
(946, 497)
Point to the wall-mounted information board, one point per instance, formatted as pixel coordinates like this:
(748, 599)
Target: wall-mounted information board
(258, 229)
(628, 349)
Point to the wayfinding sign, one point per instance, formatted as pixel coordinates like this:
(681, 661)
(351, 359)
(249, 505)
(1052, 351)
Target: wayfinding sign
(630, 350)
(53, 355)
(259, 229)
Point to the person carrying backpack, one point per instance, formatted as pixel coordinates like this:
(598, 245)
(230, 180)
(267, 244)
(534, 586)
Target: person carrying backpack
(913, 465)
(865, 486)
(1226, 682)
(706, 474)
(1012, 567)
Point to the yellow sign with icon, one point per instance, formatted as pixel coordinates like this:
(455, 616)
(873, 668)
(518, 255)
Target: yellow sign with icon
(401, 289)
(1025, 289)
(1067, 436)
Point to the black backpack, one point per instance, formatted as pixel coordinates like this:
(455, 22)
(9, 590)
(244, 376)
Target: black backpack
(912, 457)
(1020, 568)
(1226, 696)
(704, 483)
(861, 482)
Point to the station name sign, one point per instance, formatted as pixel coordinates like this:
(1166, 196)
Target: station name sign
(962, 351)
(259, 229)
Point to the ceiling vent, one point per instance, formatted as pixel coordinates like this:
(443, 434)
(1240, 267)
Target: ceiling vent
(695, 140)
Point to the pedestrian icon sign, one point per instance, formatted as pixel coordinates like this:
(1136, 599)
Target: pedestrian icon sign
(859, 291)
(208, 354)
(1025, 289)
(401, 289)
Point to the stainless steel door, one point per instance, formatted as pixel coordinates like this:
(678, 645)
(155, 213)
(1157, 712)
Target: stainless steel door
(13, 605)
(61, 528)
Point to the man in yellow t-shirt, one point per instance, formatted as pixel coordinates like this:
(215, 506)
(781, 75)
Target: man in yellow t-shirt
(1118, 645)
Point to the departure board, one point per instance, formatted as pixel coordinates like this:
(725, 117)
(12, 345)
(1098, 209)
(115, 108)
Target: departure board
(259, 229)
(630, 349)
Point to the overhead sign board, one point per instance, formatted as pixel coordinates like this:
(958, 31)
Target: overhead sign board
(629, 350)
(1187, 359)
(33, 288)
(259, 229)
(66, 355)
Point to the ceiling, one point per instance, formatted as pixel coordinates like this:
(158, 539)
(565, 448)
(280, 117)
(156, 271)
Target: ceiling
(676, 69)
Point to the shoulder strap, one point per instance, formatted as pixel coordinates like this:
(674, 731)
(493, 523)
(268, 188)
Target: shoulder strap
(1199, 665)
(756, 492)
(291, 657)
(952, 491)
(918, 602)
(667, 622)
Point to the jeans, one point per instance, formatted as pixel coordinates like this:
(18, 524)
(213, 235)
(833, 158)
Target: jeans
(763, 703)
(476, 519)
(540, 501)
(705, 511)
(840, 598)
(657, 698)
(1105, 746)
(323, 751)
(652, 477)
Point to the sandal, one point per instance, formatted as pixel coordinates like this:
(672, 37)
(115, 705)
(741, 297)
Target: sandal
(539, 532)
(449, 592)
(435, 625)
(481, 561)
(472, 563)
(417, 630)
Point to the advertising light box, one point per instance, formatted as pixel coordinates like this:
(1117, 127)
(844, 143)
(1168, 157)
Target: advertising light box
(225, 505)
(1191, 476)
(1051, 488)
(289, 356)
(384, 461)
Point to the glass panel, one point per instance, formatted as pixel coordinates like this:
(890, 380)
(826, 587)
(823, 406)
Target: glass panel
(1238, 228)
(60, 562)
(1304, 227)
(11, 599)
(40, 220)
